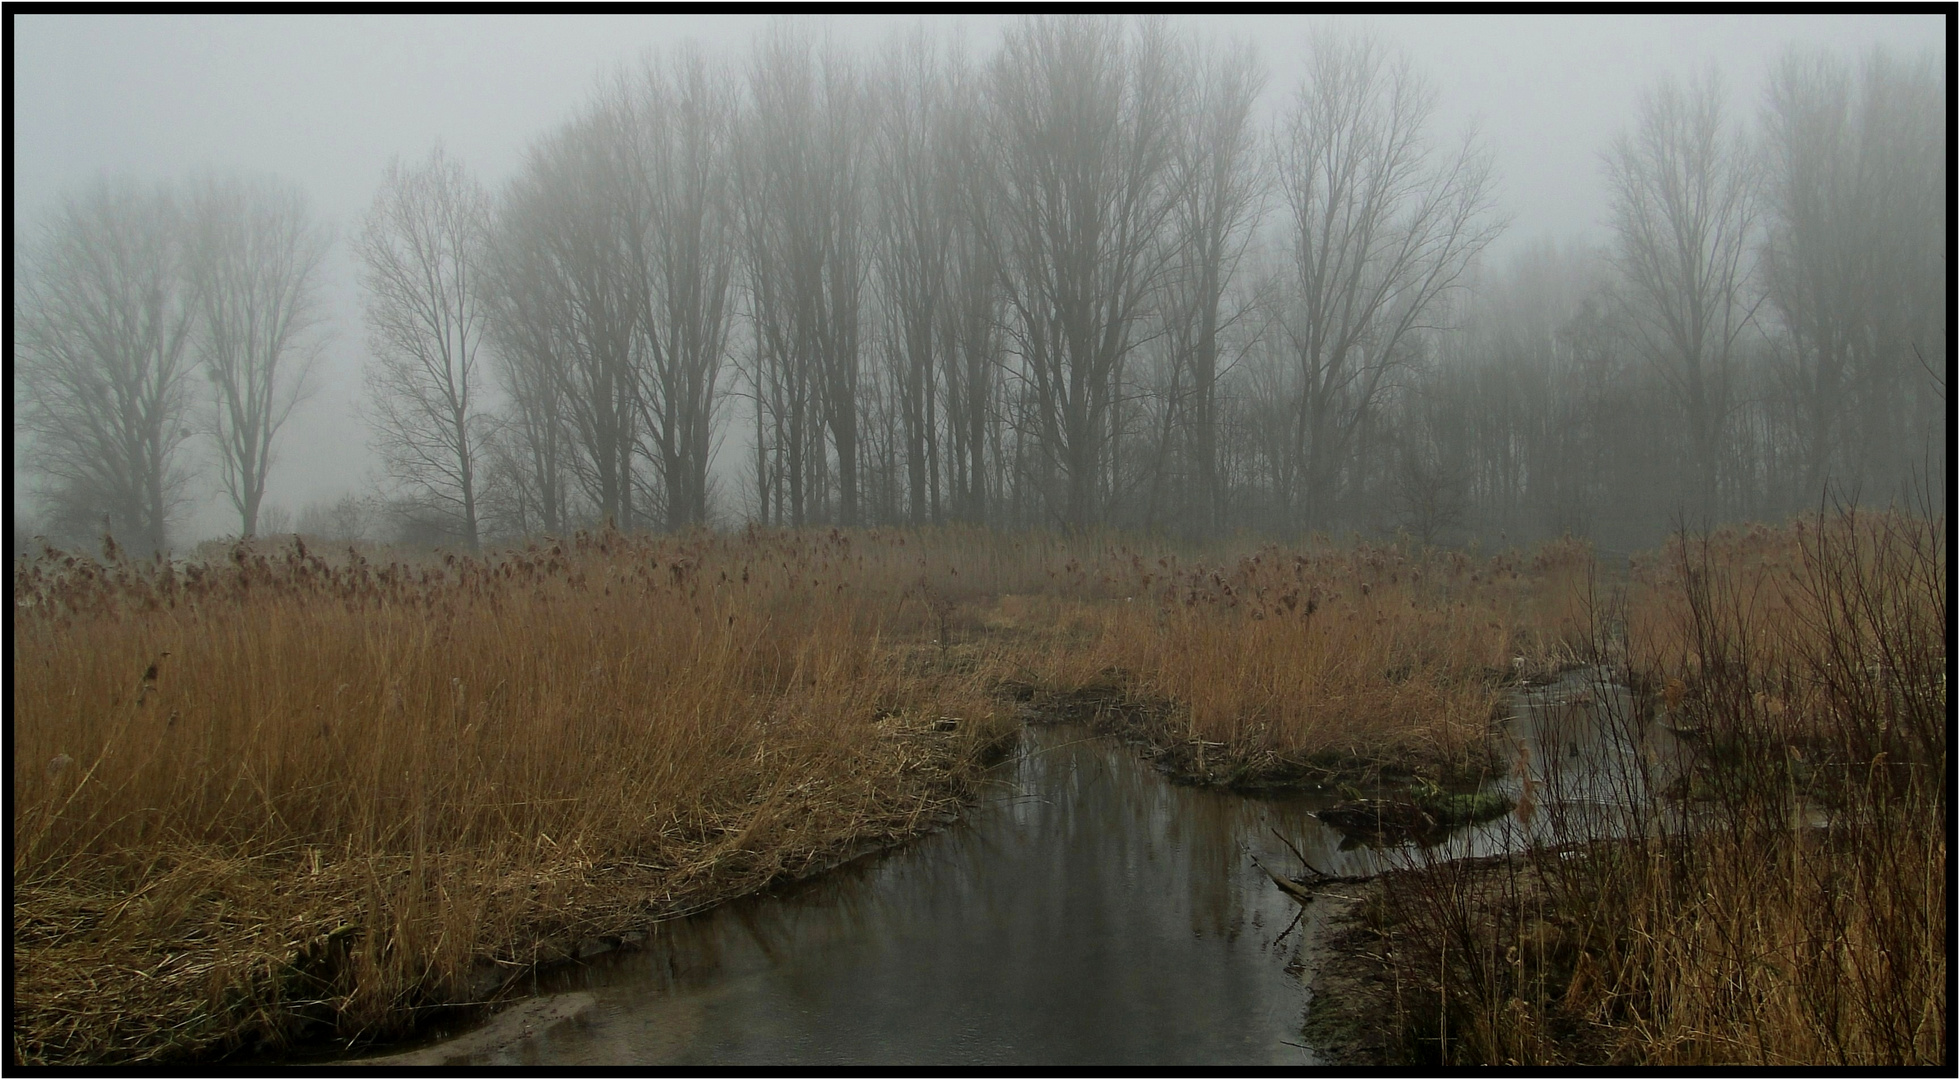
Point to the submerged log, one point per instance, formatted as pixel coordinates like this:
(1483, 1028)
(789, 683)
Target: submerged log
(1292, 888)
(1299, 887)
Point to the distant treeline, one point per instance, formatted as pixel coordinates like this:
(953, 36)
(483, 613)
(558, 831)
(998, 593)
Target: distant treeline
(1091, 279)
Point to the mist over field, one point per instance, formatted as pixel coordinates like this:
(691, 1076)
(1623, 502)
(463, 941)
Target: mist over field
(457, 281)
(1393, 540)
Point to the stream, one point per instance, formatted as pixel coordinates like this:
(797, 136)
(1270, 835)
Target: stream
(1085, 912)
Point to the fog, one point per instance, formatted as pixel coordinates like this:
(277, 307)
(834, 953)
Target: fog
(327, 103)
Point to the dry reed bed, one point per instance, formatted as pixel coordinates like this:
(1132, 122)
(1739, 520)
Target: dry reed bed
(1808, 668)
(288, 796)
(285, 791)
(1283, 667)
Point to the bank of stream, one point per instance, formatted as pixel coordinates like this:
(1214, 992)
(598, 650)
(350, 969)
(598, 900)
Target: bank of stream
(1087, 911)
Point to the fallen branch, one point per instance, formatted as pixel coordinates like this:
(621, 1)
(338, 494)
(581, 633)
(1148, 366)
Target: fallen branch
(1321, 877)
(1286, 885)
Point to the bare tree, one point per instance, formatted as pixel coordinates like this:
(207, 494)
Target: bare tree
(571, 294)
(103, 323)
(529, 323)
(1508, 384)
(804, 186)
(1854, 215)
(615, 261)
(1378, 228)
(970, 316)
(774, 152)
(582, 203)
(1082, 146)
(423, 251)
(687, 256)
(1429, 489)
(918, 204)
(255, 257)
(348, 518)
(1220, 189)
(274, 519)
(1684, 192)
(1904, 134)
(841, 261)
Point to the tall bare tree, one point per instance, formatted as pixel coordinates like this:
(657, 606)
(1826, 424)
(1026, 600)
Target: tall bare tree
(531, 325)
(918, 204)
(775, 152)
(103, 321)
(1378, 228)
(1684, 195)
(256, 259)
(1083, 144)
(970, 316)
(1902, 105)
(843, 262)
(615, 266)
(423, 254)
(582, 204)
(805, 185)
(687, 253)
(1221, 189)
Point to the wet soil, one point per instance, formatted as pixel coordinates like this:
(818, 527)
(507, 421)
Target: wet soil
(504, 1033)
(1352, 1019)
(1110, 706)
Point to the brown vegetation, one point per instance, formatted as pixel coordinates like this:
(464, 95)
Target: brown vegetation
(283, 790)
(1285, 666)
(1785, 903)
(285, 797)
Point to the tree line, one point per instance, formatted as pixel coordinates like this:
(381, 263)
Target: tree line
(1095, 278)
(130, 296)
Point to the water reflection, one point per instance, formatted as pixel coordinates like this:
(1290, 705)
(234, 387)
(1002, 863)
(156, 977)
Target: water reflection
(1090, 913)
(1580, 764)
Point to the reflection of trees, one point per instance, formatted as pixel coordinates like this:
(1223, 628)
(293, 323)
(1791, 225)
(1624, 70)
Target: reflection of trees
(1082, 863)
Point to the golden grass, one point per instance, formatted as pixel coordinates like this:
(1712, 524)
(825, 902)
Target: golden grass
(1283, 665)
(1810, 665)
(215, 772)
(287, 797)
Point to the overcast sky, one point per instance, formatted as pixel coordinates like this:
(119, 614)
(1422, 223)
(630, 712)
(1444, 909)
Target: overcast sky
(326, 101)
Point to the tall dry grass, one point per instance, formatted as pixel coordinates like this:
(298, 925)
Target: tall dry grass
(1285, 666)
(287, 792)
(1784, 900)
(290, 795)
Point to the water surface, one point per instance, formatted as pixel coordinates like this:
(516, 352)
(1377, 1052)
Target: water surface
(1087, 912)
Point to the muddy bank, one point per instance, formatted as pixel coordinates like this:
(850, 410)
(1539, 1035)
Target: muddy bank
(83, 996)
(1350, 1020)
(1366, 1009)
(503, 1033)
(1111, 705)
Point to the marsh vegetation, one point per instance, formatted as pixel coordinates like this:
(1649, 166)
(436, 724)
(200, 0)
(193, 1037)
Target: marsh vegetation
(294, 796)
(765, 446)
(1771, 884)
(290, 793)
